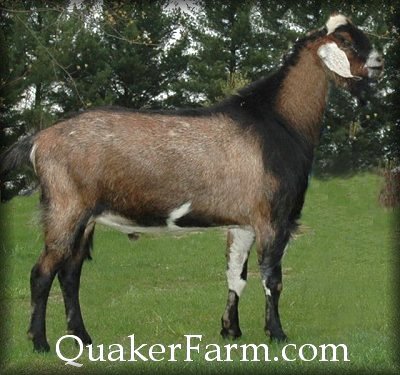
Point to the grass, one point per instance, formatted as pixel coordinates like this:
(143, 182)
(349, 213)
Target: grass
(337, 289)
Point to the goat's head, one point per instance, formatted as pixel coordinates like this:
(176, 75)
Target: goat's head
(347, 54)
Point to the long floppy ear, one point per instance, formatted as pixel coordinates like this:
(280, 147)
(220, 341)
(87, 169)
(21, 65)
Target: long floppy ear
(335, 59)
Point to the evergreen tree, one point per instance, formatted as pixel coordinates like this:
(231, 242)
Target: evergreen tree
(25, 74)
(228, 41)
(146, 66)
(82, 69)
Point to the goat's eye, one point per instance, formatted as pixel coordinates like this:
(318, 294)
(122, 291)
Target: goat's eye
(346, 42)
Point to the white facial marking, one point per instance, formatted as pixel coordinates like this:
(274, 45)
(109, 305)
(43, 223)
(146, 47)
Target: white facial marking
(32, 157)
(335, 59)
(334, 22)
(177, 214)
(374, 64)
(242, 240)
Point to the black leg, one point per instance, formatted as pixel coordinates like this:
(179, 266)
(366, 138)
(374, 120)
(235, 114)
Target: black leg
(230, 319)
(69, 278)
(42, 276)
(271, 274)
(273, 326)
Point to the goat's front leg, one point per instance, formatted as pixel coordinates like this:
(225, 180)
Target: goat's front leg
(271, 276)
(238, 247)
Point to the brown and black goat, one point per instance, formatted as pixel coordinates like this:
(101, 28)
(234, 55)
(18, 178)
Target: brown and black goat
(243, 163)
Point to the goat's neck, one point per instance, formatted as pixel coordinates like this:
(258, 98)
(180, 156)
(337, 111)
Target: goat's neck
(302, 96)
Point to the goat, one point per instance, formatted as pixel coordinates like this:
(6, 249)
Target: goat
(243, 163)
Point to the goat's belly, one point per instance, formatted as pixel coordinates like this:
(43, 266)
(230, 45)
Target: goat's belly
(181, 219)
(127, 226)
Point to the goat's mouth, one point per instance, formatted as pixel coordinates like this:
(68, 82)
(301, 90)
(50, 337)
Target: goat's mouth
(363, 89)
(375, 72)
(374, 65)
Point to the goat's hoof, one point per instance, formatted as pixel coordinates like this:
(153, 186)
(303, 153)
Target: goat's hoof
(83, 335)
(86, 339)
(281, 338)
(231, 333)
(41, 346)
(277, 336)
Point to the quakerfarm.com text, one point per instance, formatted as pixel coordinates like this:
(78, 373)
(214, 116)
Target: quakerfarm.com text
(192, 347)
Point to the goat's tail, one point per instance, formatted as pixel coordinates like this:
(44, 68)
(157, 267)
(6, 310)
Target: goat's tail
(16, 156)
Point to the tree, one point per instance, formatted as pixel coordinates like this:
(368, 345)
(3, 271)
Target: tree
(25, 77)
(228, 42)
(146, 64)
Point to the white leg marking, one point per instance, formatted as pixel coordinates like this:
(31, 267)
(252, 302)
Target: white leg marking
(242, 240)
(32, 157)
(177, 214)
(267, 290)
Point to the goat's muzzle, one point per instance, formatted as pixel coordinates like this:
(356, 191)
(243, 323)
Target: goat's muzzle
(374, 64)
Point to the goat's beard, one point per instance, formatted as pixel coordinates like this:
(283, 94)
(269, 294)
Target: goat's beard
(361, 89)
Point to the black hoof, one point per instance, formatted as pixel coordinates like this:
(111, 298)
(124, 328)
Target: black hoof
(281, 338)
(40, 344)
(83, 335)
(277, 336)
(41, 347)
(86, 339)
(230, 333)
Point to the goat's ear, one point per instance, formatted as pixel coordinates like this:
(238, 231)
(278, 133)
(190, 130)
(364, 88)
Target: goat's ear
(335, 59)
(335, 20)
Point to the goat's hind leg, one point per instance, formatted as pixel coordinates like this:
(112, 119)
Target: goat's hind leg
(238, 247)
(60, 228)
(42, 276)
(69, 278)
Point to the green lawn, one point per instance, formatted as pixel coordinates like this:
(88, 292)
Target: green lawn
(337, 289)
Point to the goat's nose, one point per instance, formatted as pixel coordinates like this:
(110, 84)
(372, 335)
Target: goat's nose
(375, 63)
